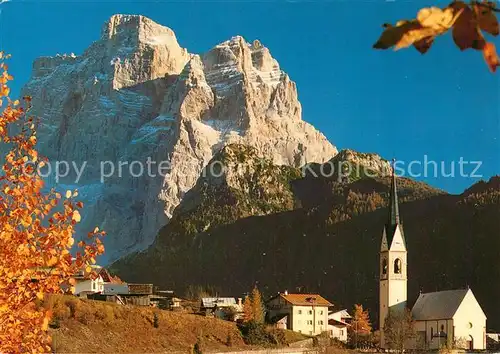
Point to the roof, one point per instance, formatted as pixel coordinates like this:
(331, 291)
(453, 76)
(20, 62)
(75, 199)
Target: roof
(393, 202)
(140, 289)
(342, 314)
(94, 273)
(278, 318)
(108, 278)
(438, 305)
(393, 220)
(209, 302)
(337, 323)
(306, 299)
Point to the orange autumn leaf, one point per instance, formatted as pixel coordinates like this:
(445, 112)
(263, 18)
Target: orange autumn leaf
(491, 57)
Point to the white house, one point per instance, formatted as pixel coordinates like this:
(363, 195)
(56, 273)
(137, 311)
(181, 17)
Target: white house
(338, 322)
(305, 313)
(219, 306)
(99, 281)
(88, 284)
(450, 318)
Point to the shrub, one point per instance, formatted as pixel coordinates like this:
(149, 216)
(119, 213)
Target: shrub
(55, 323)
(229, 340)
(198, 346)
(155, 320)
(229, 313)
(256, 333)
(71, 304)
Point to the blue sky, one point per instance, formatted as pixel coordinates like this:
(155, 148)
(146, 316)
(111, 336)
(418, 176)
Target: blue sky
(398, 104)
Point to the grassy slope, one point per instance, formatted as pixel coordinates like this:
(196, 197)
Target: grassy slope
(100, 327)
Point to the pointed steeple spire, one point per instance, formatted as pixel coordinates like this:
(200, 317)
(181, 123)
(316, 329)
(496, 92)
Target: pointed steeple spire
(393, 221)
(393, 201)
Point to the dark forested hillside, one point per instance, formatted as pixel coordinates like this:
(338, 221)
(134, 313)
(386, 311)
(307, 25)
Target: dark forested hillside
(327, 240)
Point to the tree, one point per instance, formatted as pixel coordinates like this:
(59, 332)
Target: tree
(360, 328)
(257, 306)
(36, 233)
(253, 308)
(197, 292)
(229, 340)
(399, 329)
(229, 313)
(199, 345)
(467, 22)
(156, 323)
(247, 309)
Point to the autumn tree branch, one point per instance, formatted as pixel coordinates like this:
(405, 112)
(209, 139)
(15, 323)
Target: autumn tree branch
(486, 5)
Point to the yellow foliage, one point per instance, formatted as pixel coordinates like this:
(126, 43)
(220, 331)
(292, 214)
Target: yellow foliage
(35, 257)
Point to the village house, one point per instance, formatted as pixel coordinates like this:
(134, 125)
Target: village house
(303, 313)
(452, 318)
(222, 307)
(88, 282)
(132, 294)
(338, 322)
(175, 304)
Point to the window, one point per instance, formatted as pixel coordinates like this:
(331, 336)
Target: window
(442, 328)
(320, 322)
(470, 324)
(384, 266)
(309, 322)
(432, 332)
(341, 332)
(397, 266)
(299, 312)
(310, 312)
(321, 312)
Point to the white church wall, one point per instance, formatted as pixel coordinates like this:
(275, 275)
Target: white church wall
(429, 332)
(470, 322)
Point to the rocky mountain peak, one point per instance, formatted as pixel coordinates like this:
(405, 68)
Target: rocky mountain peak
(371, 161)
(136, 94)
(123, 26)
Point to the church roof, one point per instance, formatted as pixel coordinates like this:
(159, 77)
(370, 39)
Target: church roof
(393, 202)
(393, 219)
(438, 305)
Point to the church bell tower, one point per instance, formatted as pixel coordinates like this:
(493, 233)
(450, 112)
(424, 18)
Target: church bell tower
(393, 263)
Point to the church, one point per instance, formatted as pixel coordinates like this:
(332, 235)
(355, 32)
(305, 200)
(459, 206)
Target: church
(452, 318)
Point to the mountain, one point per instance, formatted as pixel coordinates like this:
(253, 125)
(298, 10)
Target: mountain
(288, 228)
(136, 101)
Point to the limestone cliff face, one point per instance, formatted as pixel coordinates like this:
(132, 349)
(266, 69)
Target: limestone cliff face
(136, 95)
